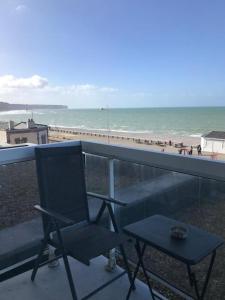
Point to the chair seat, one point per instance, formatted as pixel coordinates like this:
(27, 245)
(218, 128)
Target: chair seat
(88, 242)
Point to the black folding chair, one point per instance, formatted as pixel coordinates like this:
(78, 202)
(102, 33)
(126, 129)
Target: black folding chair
(64, 207)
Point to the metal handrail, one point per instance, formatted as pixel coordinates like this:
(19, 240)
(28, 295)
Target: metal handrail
(211, 169)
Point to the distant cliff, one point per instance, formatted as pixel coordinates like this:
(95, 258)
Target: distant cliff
(4, 106)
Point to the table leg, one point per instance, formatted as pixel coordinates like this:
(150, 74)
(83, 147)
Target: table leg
(140, 255)
(208, 275)
(136, 270)
(193, 280)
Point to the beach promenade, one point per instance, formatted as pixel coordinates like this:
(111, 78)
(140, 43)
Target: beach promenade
(169, 144)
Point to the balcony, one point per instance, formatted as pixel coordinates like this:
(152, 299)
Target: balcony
(185, 188)
(51, 284)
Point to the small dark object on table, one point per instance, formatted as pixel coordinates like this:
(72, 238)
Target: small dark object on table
(179, 232)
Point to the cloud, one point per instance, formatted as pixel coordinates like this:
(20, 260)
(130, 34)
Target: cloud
(35, 81)
(87, 89)
(82, 89)
(37, 89)
(21, 8)
(141, 94)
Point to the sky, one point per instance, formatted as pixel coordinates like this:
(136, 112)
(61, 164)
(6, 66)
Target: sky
(114, 53)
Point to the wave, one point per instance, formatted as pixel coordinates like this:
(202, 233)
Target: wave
(15, 112)
(21, 112)
(83, 127)
(196, 135)
(71, 127)
(131, 131)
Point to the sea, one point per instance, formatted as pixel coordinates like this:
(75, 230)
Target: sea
(179, 121)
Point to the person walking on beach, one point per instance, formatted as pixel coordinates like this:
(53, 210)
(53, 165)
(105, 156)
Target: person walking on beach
(191, 151)
(199, 149)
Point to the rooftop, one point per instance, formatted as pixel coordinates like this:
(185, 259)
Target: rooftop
(220, 135)
(30, 124)
(24, 125)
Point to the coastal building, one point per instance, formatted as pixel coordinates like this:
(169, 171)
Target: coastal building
(214, 142)
(23, 132)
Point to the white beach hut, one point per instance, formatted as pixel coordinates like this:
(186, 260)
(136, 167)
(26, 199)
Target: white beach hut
(213, 142)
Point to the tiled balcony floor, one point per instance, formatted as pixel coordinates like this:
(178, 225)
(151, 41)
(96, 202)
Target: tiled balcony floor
(52, 284)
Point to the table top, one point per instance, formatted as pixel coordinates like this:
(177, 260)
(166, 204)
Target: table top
(155, 231)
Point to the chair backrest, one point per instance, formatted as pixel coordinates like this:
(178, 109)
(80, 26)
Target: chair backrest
(61, 180)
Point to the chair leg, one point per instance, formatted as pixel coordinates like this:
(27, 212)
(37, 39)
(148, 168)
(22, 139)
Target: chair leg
(42, 249)
(129, 274)
(66, 263)
(69, 276)
(116, 228)
(38, 260)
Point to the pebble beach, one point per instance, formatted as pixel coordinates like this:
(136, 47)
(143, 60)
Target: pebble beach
(161, 143)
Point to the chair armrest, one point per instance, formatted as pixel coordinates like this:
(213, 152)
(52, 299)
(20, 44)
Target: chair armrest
(107, 199)
(54, 215)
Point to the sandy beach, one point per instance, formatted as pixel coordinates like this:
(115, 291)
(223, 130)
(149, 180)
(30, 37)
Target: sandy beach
(144, 141)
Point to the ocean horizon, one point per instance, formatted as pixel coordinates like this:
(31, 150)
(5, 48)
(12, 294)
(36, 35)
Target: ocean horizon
(167, 121)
